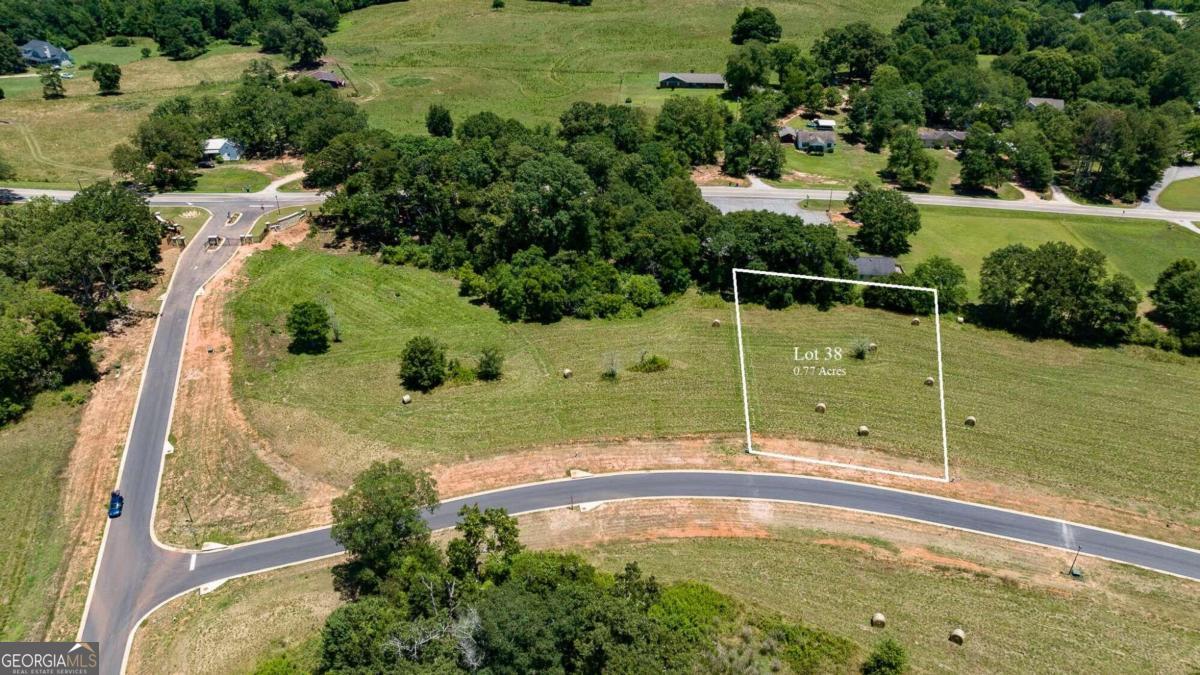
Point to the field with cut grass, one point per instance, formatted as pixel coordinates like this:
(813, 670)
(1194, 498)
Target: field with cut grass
(1139, 248)
(1088, 424)
(531, 60)
(1182, 195)
(34, 452)
(70, 139)
(231, 179)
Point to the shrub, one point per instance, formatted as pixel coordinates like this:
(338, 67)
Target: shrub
(145, 52)
(308, 324)
(610, 374)
(471, 283)
(650, 364)
(888, 658)
(120, 41)
(423, 363)
(692, 609)
(860, 349)
(491, 364)
(497, 4)
(457, 373)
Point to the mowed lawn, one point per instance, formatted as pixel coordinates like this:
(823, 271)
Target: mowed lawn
(1182, 195)
(70, 139)
(34, 452)
(1092, 424)
(531, 60)
(231, 179)
(1131, 621)
(1139, 248)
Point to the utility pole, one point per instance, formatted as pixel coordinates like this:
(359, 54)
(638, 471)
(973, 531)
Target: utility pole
(1073, 571)
(191, 523)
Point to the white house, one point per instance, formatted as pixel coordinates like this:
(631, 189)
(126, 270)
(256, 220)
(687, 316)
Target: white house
(223, 149)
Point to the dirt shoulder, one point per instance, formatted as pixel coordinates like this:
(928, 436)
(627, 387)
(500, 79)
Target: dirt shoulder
(99, 442)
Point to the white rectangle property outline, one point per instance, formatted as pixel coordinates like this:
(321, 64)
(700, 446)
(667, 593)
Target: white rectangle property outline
(937, 326)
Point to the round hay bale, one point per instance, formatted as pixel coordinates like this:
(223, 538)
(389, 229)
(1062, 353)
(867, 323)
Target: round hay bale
(863, 430)
(957, 636)
(716, 323)
(970, 421)
(929, 382)
(962, 319)
(567, 373)
(406, 399)
(878, 620)
(872, 347)
(916, 321)
(821, 407)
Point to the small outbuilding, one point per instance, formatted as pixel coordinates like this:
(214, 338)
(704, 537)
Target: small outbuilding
(823, 124)
(941, 138)
(691, 81)
(787, 135)
(223, 149)
(42, 53)
(326, 77)
(872, 266)
(823, 141)
(1034, 101)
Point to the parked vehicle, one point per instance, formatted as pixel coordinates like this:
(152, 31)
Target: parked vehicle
(115, 504)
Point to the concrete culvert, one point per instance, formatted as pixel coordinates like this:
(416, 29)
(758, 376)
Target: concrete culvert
(970, 421)
(916, 321)
(863, 430)
(821, 407)
(406, 399)
(929, 382)
(716, 323)
(567, 373)
(878, 620)
(957, 636)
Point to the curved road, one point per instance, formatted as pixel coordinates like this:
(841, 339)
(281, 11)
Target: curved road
(135, 574)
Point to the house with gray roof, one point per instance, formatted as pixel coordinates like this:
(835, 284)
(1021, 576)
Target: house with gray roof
(812, 141)
(691, 81)
(941, 138)
(871, 266)
(787, 134)
(1034, 101)
(42, 53)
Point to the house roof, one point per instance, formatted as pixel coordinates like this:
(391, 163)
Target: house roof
(874, 265)
(694, 78)
(786, 131)
(815, 137)
(941, 134)
(325, 76)
(43, 50)
(1035, 101)
(825, 123)
(215, 144)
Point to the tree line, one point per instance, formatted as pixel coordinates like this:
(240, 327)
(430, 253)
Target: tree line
(1129, 80)
(182, 29)
(63, 271)
(267, 114)
(486, 604)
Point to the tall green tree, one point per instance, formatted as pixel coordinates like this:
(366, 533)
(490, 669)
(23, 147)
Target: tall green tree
(856, 46)
(982, 160)
(747, 69)
(757, 23)
(10, 56)
(490, 538)
(52, 84)
(304, 45)
(108, 77)
(438, 121)
(887, 219)
(1176, 297)
(909, 164)
(308, 324)
(693, 126)
(423, 363)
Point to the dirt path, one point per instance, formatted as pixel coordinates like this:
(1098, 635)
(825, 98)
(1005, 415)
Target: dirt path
(35, 151)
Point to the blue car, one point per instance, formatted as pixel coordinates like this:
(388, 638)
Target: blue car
(115, 503)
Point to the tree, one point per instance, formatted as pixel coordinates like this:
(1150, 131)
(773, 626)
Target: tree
(10, 56)
(1176, 297)
(241, 32)
(756, 23)
(888, 218)
(491, 364)
(490, 538)
(308, 324)
(108, 76)
(1030, 159)
(380, 523)
(693, 126)
(438, 121)
(423, 363)
(747, 69)
(274, 36)
(947, 277)
(180, 37)
(1049, 72)
(908, 163)
(52, 84)
(858, 46)
(305, 45)
(887, 658)
(877, 112)
(981, 159)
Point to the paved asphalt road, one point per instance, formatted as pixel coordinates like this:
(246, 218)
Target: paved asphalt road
(135, 574)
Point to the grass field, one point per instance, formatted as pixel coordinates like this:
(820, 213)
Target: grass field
(331, 415)
(260, 225)
(34, 452)
(532, 59)
(231, 179)
(1139, 248)
(294, 186)
(70, 139)
(1182, 195)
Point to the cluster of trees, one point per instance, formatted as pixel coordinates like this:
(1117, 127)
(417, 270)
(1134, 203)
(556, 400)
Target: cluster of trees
(63, 268)
(182, 29)
(268, 115)
(107, 77)
(424, 365)
(487, 605)
(1176, 297)
(597, 219)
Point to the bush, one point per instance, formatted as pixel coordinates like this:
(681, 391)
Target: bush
(308, 324)
(491, 364)
(457, 373)
(610, 374)
(650, 364)
(120, 41)
(423, 364)
(497, 4)
(860, 349)
(692, 609)
(145, 52)
(888, 658)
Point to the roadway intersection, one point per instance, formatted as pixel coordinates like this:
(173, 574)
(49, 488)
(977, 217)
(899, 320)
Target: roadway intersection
(135, 574)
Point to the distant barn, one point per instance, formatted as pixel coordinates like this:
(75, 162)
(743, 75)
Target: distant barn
(691, 81)
(872, 266)
(327, 78)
